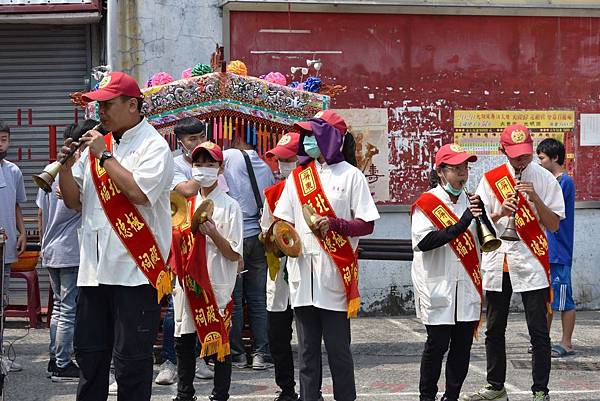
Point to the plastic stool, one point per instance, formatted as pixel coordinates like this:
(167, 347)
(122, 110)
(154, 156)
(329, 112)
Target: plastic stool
(33, 309)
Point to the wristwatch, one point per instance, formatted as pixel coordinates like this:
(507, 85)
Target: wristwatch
(107, 154)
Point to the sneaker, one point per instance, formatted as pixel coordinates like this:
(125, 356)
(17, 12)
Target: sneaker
(259, 363)
(183, 399)
(69, 373)
(287, 397)
(239, 361)
(11, 366)
(487, 393)
(113, 387)
(540, 396)
(51, 367)
(167, 374)
(203, 371)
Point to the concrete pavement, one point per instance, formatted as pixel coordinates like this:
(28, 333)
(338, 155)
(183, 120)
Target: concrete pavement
(386, 355)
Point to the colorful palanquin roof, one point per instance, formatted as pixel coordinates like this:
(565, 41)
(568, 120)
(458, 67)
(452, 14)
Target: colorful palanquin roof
(212, 93)
(231, 104)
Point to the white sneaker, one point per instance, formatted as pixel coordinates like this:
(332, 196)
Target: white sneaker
(203, 371)
(112, 384)
(11, 366)
(167, 374)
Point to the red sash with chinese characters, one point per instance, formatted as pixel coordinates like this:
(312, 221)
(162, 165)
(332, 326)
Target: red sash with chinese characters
(182, 240)
(130, 227)
(211, 327)
(273, 193)
(526, 222)
(310, 191)
(463, 245)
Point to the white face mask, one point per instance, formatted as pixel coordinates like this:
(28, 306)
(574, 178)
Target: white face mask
(286, 168)
(206, 176)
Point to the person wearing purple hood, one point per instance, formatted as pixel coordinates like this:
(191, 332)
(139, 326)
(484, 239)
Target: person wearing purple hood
(323, 280)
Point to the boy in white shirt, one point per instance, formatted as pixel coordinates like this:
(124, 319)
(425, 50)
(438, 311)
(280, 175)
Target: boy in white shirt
(195, 298)
(522, 265)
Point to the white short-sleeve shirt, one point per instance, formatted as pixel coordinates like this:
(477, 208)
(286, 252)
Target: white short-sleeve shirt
(222, 272)
(313, 277)
(526, 272)
(12, 192)
(444, 292)
(103, 257)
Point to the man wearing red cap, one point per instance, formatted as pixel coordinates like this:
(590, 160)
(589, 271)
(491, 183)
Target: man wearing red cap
(121, 185)
(445, 272)
(279, 310)
(205, 283)
(520, 265)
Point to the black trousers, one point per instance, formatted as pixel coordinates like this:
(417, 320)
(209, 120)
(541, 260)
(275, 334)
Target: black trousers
(459, 338)
(334, 328)
(280, 338)
(185, 349)
(498, 304)
(118, 322)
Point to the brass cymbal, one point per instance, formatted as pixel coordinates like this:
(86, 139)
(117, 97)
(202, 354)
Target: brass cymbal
(202, 213)
(310, 217)
(286, 238)
(178, 209)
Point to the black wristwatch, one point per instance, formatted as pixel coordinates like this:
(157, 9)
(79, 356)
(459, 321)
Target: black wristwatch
(107, 154)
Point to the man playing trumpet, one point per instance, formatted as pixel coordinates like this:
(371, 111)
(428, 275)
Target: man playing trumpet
(522, 265)
(446, 273)
(121, 185)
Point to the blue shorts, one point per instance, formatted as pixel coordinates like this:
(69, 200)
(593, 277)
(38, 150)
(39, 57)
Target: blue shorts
(560, 278)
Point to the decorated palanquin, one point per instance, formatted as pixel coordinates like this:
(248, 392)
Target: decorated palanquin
(230, 105)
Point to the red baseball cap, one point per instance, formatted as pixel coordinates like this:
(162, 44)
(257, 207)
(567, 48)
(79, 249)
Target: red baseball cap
(330, 117)
(516, 141)
(114, 84)
(453, 155)
(212, 148)
(286, 147)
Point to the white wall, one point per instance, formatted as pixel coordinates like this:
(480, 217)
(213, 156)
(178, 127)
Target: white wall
(165, 35)
(386, 287)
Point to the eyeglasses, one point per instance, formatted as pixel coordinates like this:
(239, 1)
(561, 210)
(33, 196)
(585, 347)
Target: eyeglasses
(459, 168)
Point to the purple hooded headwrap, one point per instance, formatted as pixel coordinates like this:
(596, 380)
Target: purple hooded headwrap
(329, 140)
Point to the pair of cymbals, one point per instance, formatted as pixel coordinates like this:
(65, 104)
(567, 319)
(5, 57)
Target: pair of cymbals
(283, 240)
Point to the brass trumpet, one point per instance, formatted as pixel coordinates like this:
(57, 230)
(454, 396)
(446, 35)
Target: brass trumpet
(46, 178)
(487, 240)
(510, 232)
(179, 210)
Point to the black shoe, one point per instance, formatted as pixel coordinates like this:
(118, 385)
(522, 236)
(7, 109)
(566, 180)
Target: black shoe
(184, 399)
(287, 397)
(51, 367)
(67, 374)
